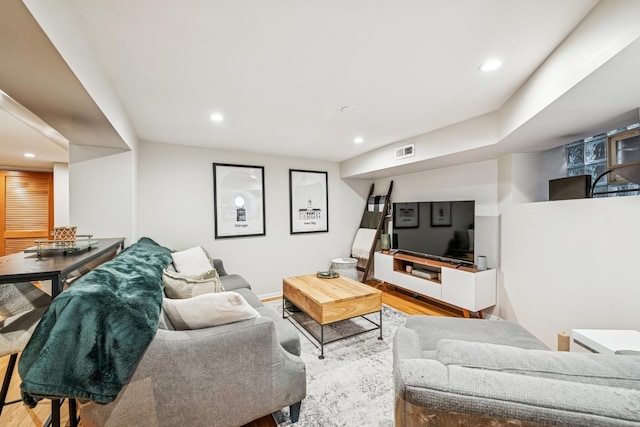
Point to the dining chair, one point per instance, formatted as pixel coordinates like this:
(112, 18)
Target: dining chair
(21, 308)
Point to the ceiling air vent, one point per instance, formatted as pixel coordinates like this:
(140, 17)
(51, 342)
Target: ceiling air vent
(406, 151)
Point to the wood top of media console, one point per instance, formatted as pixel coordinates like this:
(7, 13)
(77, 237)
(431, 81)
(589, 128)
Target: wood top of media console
(431, 262)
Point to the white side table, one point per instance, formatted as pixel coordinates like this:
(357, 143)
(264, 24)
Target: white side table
(607, 340)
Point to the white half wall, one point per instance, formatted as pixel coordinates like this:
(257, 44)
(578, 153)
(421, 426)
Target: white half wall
(565, 264)
(176, 209)
(571, 264)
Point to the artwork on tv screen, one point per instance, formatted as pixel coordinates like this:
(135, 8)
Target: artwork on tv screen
(442, 229)
(406, 215)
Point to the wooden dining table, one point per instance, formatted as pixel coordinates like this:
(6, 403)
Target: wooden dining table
(57, 267)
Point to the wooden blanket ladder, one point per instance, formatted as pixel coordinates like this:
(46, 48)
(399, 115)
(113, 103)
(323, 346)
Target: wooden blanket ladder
(373, 217)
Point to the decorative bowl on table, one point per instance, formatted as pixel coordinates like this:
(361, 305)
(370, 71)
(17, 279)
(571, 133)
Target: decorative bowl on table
(327, 274)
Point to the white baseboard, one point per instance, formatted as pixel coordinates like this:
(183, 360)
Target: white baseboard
(270, 296)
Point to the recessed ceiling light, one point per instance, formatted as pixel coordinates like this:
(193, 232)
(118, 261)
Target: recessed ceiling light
(348, 108)
(490, 65)
(29, 155)
(216, 118)
(358, 140)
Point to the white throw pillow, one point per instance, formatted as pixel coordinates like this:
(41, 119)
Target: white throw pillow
(177, 285)
(208, 310)
(192, 261)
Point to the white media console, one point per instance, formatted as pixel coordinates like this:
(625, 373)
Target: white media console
(463, 287)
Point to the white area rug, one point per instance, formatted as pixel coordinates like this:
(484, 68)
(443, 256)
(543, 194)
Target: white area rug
(353, 385)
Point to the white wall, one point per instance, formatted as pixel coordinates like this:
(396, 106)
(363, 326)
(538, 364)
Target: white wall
(176, 208)
(61, 194)
(101, 195)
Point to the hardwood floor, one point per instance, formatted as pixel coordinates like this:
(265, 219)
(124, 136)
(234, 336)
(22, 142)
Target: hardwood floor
(410, 304)
(19, 415)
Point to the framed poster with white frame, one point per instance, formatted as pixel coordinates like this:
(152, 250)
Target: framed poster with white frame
(238, 195)
(308, 201)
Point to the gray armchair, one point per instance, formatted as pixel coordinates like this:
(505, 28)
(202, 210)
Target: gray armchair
(226, 375)
(450, 371)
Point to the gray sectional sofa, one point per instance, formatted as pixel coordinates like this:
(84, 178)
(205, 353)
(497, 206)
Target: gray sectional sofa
(451, 371)
(226, 375)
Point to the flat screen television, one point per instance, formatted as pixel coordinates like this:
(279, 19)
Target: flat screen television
(440, 230)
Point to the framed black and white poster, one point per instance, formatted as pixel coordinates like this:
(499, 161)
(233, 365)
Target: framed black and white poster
(308, 201)
(238, 194)
(406, 215)
(441, 214)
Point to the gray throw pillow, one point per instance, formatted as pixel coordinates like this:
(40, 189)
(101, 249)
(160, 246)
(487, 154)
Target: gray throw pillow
(177, 285)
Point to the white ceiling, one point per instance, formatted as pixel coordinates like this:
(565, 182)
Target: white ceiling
(18, 138)
(281, 71)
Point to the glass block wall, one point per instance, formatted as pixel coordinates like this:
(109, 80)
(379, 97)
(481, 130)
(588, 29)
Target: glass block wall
(589, 157)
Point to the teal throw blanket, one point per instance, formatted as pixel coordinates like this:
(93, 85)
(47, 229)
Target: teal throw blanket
(91, 338)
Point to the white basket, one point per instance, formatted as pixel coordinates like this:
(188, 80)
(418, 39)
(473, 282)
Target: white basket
(346, 267)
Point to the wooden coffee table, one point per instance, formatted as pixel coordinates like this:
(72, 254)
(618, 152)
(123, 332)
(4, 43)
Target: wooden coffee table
(331, 300)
